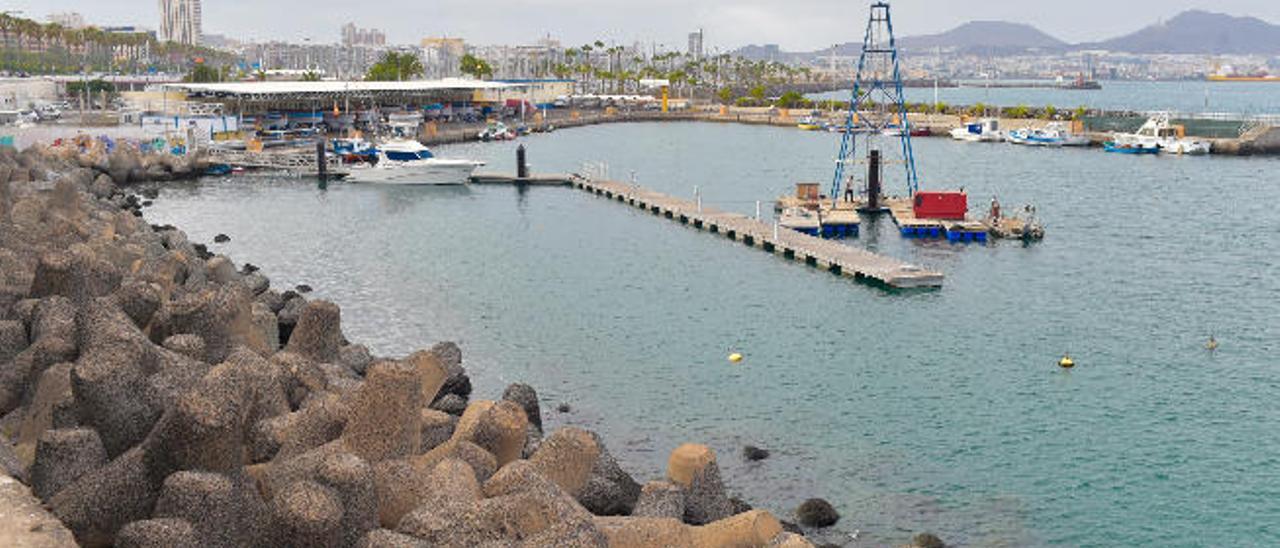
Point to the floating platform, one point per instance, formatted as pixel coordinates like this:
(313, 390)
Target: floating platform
(537, 180)
(837, 258)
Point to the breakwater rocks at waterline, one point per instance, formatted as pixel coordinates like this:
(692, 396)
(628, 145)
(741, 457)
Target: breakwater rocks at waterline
(154, 394)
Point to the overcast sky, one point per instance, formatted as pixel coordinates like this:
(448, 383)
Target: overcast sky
(794, 24)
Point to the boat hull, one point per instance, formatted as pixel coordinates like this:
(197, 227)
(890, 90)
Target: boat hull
(424, 172)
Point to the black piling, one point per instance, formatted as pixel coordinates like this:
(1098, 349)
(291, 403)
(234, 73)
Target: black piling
(522, 165)
(322, 166)
(873, 182)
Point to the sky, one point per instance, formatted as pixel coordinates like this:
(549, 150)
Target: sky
(796, 25)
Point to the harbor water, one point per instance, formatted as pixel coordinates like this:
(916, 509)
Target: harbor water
(937, 410)
(1193, 97)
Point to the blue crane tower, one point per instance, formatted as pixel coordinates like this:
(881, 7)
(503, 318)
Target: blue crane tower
(877, 106)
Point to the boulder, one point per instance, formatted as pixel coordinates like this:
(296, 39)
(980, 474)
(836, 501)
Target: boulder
(111, 393)
(660, 499)
(386, 538)
(927, 540)
(497, 427)
(139, 300)
(457, 382)
(13, 339)
(321, 421)
(643, 532)
(817, 513)
(95, 506)
(753, 453)
(693, 467)
(52, 406)
(306, 514)
(257, 283)
(527, 398)
(437, 428)
(787, 539)
(452, 404)
(225, 510)
(356, 357)
(610, 490)
(452, 490)
(103, 187)
(352, 479)
(62, 456)
(10, 463)
(754, 528)
(266, 326)
(386, 414)
(318, 334)
(222, 271)
(567, 457)
(158, 533)
(191, 346)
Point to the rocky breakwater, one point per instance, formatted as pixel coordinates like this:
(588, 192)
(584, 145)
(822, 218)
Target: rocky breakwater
(154, 395)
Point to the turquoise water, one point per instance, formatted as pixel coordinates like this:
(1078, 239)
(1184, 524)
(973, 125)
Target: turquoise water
(1182, 96)
(939, 411)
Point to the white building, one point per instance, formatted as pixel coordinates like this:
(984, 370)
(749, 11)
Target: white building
(695, 44)
(180, 21)
(69, 19)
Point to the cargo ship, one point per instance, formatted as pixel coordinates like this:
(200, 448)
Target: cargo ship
(1243, 78)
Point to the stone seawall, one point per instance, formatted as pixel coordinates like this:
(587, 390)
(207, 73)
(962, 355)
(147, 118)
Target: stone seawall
(154, 394)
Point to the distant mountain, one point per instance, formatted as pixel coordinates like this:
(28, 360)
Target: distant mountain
(1198, 31)
(986, 36)
(1192, 31)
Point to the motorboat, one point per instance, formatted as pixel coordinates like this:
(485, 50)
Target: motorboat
(1130, 148)
(407, 162)
(1053, 135)
(1158, 132)
(496, 131)
(986, 130)
(809, 123)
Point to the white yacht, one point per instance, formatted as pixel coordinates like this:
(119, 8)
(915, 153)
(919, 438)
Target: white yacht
(406, 162)
(1160, 134)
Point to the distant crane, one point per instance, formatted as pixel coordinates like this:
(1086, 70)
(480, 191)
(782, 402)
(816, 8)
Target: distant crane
(877, 105)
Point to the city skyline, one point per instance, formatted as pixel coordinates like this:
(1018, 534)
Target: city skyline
(805, 24)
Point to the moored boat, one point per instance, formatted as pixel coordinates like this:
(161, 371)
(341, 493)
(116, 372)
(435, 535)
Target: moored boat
(1054, 135)
(986, 130)
(1159, 133)
(405, 162)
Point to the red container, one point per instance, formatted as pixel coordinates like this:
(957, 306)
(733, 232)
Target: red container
(941, 204)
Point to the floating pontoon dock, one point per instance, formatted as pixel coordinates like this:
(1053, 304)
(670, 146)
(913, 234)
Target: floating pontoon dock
(835, 257)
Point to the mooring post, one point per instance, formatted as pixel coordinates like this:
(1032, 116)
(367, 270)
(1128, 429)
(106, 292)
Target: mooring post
(775, 231)
(757, 210)
(522, 166)
(322, 166)
(697, 196)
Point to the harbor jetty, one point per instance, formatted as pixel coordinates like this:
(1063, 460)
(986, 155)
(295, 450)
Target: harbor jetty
(156, 394)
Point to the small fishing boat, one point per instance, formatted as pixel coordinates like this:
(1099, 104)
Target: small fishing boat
(986, 130)
(496, 131)
(406, 162)
(1053, 135)
(810, 123)
(1130, 148)
(1159, 133)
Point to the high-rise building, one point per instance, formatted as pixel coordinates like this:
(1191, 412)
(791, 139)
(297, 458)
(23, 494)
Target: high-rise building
(695, 44)
(180, 21)
(356, 36)
(442, 57)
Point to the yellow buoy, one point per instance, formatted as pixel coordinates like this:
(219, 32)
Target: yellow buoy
(1066, 362)
(1212, 344)
(735, 357)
